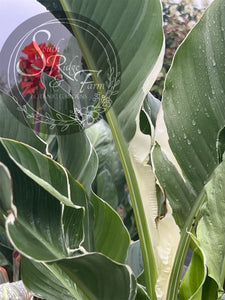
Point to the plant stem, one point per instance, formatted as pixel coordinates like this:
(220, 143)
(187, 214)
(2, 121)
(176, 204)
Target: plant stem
(150, 270)
(189, 226)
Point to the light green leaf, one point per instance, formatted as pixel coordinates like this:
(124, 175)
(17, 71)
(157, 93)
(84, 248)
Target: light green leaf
(149, 114)
(69, 192)
(194, 278)
(80, 278)
(111, 236)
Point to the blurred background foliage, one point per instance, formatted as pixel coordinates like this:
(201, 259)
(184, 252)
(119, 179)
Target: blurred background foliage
(179, 18)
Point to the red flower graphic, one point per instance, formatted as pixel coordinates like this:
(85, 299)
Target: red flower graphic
(40, 58)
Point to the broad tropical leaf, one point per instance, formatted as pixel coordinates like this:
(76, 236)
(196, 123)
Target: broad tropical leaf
(194, 99)
(140, 48)
(79, 156)
(38, 224)
(81, 278)
(54, 178)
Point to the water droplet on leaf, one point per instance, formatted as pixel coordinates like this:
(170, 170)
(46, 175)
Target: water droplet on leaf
(189, 142)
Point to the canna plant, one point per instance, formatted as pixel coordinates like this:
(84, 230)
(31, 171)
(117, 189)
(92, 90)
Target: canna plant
(73, 244)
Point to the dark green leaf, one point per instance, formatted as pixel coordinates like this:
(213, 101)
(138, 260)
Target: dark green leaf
(38, 224)
(80, 278)
(111, 236)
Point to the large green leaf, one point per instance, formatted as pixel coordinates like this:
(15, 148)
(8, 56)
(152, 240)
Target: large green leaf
(79, 156)
(135, 29)
(52, 177)
(42, 169)
(80, 278)
(38, 224)
(194, 98)
(55, 180)
(192, 115)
